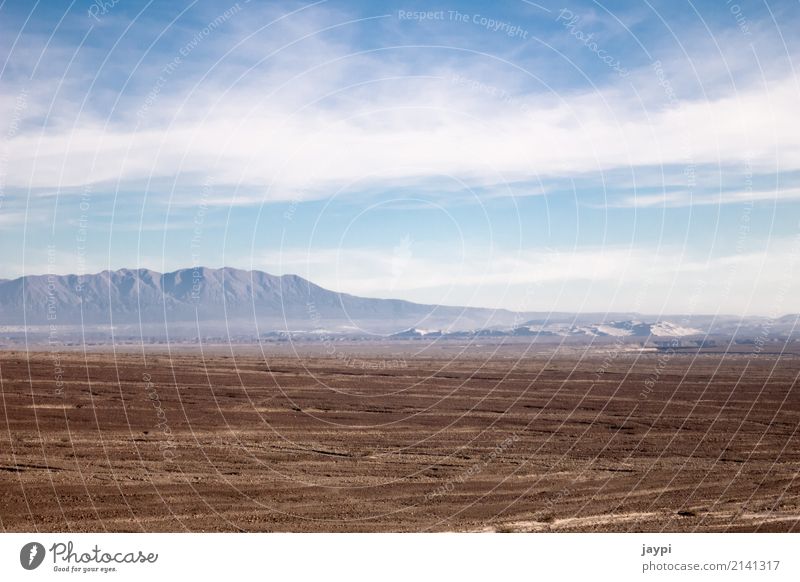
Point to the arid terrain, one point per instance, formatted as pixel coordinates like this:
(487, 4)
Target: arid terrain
(398, 438)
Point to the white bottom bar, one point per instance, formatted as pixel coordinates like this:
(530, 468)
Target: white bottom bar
(379, 557)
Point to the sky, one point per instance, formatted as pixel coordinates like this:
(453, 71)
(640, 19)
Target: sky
(553, 156)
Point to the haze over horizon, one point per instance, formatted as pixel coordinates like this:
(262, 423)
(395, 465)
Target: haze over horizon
(200, 271)
(531, 157)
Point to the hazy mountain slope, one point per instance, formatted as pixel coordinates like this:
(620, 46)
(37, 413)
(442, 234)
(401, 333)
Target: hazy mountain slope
(213, 302)
(229, 297)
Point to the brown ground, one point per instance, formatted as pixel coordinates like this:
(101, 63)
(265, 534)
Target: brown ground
(578, 441)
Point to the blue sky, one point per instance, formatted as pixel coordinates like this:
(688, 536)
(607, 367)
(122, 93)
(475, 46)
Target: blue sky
(572, 156)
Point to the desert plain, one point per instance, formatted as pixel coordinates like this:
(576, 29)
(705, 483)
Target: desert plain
(398, 437)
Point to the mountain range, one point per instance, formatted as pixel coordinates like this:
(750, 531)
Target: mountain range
(218, 300)
(232, 302)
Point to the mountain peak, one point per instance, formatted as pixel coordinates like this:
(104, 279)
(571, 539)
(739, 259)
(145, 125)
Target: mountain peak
(228, 299)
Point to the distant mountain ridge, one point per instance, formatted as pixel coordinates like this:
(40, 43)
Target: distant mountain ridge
(612, 329)
(225, 297)
(203, 302)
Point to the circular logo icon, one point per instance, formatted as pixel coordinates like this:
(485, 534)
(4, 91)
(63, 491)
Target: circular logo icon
(31, 555)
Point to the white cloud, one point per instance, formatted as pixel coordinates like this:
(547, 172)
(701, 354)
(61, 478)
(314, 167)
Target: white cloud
(666, 280)
(319, 121)
(677, 199)
(8, 218)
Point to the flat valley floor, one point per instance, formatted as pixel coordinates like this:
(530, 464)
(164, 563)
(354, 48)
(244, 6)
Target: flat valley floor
(398, 438)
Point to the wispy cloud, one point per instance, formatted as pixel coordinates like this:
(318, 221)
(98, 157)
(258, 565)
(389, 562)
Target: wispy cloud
(678, 199)
(668, 279)
(11, 218)
(323, 114)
